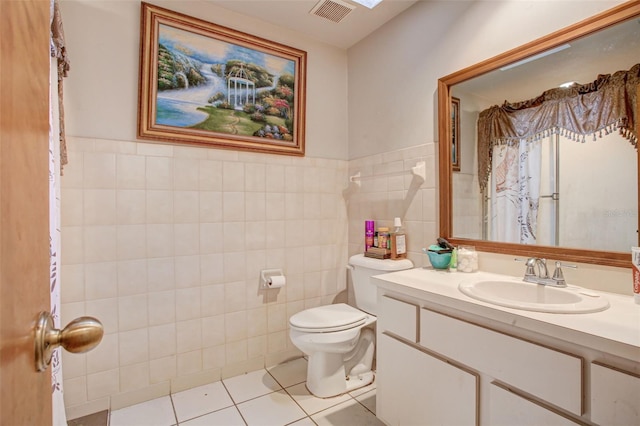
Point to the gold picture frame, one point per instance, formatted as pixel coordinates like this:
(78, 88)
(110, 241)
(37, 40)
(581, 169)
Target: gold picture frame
(205, 84)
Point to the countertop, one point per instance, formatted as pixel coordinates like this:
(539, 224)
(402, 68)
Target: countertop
(615, 330)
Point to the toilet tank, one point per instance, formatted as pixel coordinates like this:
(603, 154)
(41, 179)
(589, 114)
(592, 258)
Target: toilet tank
(362, 269)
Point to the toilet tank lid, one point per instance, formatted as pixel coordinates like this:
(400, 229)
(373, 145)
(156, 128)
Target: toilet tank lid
(383, 265)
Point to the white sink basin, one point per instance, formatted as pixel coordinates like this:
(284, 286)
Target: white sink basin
(518, 294)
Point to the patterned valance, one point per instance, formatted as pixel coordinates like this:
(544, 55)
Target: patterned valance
(577, 112)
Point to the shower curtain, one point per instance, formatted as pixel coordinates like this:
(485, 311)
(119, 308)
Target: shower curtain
(515, 189)
(57, 158)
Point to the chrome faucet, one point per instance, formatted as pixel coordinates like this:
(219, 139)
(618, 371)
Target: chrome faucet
(542, 274)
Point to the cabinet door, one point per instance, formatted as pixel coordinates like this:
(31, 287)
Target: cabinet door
(415, 388)
(615, 396)
(508, 409)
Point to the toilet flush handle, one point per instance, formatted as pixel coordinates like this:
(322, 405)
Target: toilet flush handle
(350, 267)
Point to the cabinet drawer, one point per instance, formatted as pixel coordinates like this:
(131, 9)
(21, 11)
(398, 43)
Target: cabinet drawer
(400, 318)
(553, 376)
(615, 396)
(508, 409)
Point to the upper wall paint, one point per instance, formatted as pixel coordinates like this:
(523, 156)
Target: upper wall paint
(101, 92)
(393, 73)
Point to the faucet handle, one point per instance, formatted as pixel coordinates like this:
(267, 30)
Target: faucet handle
(558, 276)
(530, 263)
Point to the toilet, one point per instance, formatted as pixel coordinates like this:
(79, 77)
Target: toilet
(335, 338)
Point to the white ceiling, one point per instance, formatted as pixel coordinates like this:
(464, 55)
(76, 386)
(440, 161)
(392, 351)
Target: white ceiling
(294, 15)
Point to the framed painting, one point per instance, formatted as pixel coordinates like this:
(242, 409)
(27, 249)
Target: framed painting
(204, 84)
(455, 134)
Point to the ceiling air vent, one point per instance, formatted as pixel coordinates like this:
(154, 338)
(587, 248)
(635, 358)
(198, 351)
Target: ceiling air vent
(333, 10)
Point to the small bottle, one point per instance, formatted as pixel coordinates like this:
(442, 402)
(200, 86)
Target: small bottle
(383, 238)
(398, 241)
(369, 230)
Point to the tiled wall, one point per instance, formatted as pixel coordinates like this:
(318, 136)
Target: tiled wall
(388, 189)
(165, 244)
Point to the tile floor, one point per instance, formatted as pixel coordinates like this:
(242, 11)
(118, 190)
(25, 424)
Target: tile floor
(276, 396)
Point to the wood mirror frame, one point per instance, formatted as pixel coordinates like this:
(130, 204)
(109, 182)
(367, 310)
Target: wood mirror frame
(588, 26)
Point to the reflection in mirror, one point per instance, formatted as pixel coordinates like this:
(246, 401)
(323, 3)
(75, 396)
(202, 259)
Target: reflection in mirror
(572, 200)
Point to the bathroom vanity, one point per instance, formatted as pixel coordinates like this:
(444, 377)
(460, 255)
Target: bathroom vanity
(446, 358)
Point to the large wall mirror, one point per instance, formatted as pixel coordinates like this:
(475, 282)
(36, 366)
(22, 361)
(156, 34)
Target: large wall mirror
(585, 190)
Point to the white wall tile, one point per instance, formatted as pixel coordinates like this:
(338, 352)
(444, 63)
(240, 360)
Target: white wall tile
(159, 240)
(106, 310)
(211, 269)
(186, 207)
(72, 245)
(133, 346)
(75, 390)
(159, 173)
(233, 177)
(71, 281)
(211, 238)
(255, 177)
(210, 204)
(213, 331)
(186, 239)
(162, 341)
(214, 357)
(161, 307)
(186, 174)
(188, 335)
(210, 175)
(134, 376)
(132, 242)
(103, 357)
(99, 170)
(163, 369)
(159, 206)
(160, 273)
(189, 363)
(233, 236)
(212, 300)
(187, 270)
(132, 312)
(130, 171)
(102, 384)
(131, 207)
(187, 303)
(72, 207)
(255, 206)
(99, 244)
(233, 206)
(235, 326)
(132, 277)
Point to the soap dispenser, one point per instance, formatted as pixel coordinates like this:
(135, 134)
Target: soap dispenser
(398, 241)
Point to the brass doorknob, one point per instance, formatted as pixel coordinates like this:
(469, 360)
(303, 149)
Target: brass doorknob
(80, 335)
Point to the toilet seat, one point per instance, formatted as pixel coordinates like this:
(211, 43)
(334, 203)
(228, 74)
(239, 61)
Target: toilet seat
(327, 319)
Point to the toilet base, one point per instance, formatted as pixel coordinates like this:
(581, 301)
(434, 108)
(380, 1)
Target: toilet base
(332, 374)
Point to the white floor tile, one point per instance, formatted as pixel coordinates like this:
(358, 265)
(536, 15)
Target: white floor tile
(201, 400)
(310, 403)
(274, 409)
(304, 422)
(290, 373)
(347, 413)
(225, 417)
(363, 389)
(251, 385)
(157, 412)
(368, 400)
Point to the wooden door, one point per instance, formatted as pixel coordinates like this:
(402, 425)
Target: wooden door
(25, 396)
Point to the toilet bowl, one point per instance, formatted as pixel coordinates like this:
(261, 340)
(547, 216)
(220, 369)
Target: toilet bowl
(337, 339)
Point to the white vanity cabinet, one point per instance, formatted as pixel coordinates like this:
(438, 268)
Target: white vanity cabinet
(615, 396)
(414, 386)
(439, 364)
